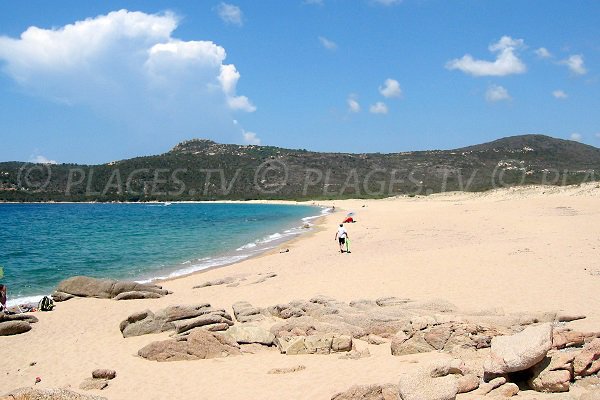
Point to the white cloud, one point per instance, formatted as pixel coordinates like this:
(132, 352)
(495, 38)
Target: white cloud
(390, 88)
(328, 44)
(40, 159)
(379, 108)
(542, 52)
(496, 93)
(597, 135)
(575, 64)
(353, 105)
(387, 2)
(251, 138)
(506, 62)
(129, 69)
(559, 94)
(314, 2)
(230, 14)
(228, 77)
(576, 137)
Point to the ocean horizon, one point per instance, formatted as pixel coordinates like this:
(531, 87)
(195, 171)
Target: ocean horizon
(42, 244)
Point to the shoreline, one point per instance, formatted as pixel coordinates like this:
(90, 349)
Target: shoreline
(222, 259)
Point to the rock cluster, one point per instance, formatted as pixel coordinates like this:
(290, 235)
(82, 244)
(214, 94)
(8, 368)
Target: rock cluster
(15, 324)
(516, 346)
(180, 318)
(85, 286)
(199, 344)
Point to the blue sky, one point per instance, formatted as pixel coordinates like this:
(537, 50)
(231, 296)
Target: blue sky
(92, 82)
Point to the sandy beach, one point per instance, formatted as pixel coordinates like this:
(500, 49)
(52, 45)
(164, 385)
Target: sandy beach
(524, 249)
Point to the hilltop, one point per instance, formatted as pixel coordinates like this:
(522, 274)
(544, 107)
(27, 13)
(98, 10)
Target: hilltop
(201, 169)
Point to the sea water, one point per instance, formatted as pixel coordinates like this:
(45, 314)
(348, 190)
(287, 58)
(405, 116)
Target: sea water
(42, 244)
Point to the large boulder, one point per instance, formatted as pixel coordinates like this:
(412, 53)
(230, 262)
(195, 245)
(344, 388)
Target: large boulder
(180, 318)
(85, 286)
(143, 323)
(520, 351)
(251, 334)
(8, 328)
(31, 393)
(199, 344)
(369, 392)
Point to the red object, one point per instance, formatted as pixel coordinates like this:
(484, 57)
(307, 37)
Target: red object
(38, 379)
(348, 220)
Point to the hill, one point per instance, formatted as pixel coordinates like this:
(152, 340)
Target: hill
(201, 169)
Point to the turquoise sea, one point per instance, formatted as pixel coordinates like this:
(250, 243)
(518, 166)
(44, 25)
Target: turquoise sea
(42, 244)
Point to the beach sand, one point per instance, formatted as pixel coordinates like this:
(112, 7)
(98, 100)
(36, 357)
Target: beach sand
(521, 249)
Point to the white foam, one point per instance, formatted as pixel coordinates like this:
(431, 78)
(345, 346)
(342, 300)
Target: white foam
(247, 246)
(23, 300)
(249, 249)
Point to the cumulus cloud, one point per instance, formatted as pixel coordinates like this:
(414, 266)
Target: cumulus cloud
(496, 93)
(251, 138)
(507, 62)
(576, 137)
(328, 44)
(542, 52)
(390, 88)
(575, 64)
(379, 108)
(128, 68)
(559, 94)
(230, 14)
(353, 104)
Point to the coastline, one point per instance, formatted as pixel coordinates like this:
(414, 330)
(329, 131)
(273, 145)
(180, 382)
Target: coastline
(530, 250)
(256, 248)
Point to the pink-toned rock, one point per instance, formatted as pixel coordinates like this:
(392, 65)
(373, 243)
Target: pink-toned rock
(200, 344)
(369, 392)
(520, 351)
(485, 388)
(468, 383)
(507, 390)
(587, 362)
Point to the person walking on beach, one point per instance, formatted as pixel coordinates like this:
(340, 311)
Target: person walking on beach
(341, 235)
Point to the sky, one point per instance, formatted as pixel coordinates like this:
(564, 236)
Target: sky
(92, 82)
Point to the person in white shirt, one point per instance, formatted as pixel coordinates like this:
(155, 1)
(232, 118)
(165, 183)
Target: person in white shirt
(341, 235)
